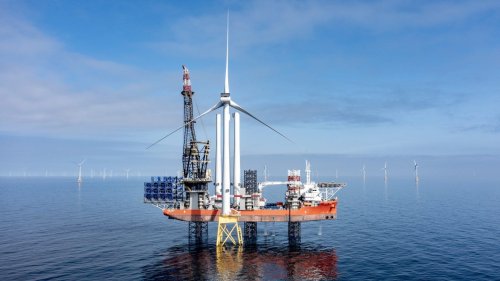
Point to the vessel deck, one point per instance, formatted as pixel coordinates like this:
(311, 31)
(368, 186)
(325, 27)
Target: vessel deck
(324, 211)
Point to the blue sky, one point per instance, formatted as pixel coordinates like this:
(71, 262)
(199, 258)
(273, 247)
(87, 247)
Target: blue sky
(360, 81)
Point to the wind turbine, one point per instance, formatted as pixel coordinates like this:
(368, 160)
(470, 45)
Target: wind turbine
(80, 179)
(364, 173)
(127, 171)
(385, 171)
(416, 170)
(225, 102)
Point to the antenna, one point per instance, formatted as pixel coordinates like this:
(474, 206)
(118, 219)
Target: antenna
(308, 172)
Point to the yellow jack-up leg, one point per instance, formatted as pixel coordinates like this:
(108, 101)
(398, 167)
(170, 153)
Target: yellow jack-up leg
(228, 225)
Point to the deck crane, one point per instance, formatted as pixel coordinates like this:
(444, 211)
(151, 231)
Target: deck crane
(194, 161)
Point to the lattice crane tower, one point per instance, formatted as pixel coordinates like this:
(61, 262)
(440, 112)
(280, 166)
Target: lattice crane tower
(194, 160)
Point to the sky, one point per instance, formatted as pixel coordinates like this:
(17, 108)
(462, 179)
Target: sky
(350, 82)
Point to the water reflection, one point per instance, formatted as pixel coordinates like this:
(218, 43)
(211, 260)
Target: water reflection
(79, 201)
(418, 190)
(386, 190)
(260, 262)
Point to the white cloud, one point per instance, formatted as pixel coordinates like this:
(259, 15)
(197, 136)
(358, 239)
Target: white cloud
(257, 23)
(18, 37)
(46, 89)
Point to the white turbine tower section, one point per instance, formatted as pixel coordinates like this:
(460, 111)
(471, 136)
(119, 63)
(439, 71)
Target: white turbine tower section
(127, 171)
(218, 157)
(236, 154)
(226, 181)
(416, 170)
(80, 179)
(226, 196)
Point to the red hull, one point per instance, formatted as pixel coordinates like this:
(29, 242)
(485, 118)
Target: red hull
(324, 211)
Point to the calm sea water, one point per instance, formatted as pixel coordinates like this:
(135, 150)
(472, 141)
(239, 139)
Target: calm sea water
(51, 229)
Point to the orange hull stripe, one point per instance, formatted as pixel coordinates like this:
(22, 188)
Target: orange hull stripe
(326, 210)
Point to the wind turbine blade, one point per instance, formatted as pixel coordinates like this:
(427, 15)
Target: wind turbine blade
(239, 108)
(218, 105)
(226, 81)
(166, 136)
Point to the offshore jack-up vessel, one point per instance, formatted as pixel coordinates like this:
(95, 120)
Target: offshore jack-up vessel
(187, 197)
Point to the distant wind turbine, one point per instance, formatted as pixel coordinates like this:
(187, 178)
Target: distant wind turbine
(80, 179)
(416, 170)
(127, 171)
(385, 171)
(364, 173)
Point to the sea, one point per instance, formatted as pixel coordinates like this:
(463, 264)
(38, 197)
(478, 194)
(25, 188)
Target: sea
(51, 228)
